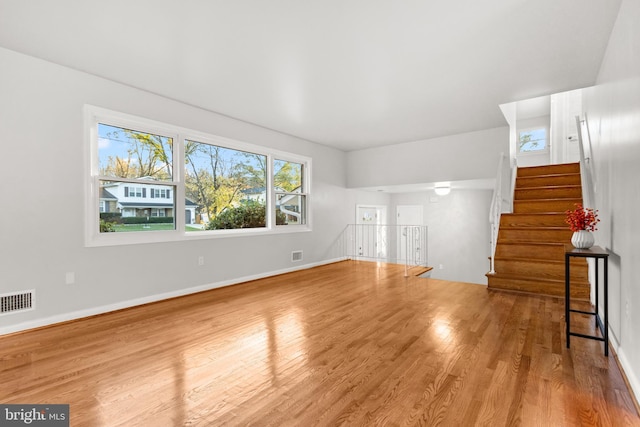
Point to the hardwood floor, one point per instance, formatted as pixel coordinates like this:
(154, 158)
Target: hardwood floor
(351, 343)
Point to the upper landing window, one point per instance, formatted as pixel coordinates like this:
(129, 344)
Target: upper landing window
(532, 140)
(152, 182)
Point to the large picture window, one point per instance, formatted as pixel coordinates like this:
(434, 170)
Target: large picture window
(152, 181)
(228, 185)
(133, 165)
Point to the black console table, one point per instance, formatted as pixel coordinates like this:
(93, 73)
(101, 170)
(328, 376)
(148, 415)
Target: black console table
(599, 254)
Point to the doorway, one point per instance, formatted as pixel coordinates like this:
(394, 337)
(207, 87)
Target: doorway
(371, 232)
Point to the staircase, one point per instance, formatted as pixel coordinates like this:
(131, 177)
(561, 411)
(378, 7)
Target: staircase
(531, 242)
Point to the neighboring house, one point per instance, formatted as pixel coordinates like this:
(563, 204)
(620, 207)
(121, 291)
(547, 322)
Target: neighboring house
(140, 200)
(286, 202)
(258, 194)
(108, 202)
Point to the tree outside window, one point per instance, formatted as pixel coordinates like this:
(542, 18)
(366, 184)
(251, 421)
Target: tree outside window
(229, 186)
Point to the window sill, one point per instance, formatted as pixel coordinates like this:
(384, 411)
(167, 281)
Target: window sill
(151, 237)
(532, 153)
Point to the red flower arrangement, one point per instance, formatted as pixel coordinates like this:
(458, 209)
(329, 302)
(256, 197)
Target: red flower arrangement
(582, 218)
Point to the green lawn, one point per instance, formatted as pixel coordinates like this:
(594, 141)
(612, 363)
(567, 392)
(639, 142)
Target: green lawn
(143, 227)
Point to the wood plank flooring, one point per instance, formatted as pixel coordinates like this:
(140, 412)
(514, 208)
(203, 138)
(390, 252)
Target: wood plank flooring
(351, 343)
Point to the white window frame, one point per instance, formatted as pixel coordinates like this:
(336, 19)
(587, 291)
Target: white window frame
(534, 152)
(93, 237)
(304, 191)
(137, 192)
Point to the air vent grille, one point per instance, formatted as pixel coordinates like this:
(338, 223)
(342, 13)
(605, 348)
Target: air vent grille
(296, 256)
(17, 302)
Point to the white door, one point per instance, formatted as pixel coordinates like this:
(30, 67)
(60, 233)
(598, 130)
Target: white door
(371, 231)
(406, 216)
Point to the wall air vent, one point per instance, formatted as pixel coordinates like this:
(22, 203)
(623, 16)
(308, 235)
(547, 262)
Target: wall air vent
(296, 256)
(17, 302)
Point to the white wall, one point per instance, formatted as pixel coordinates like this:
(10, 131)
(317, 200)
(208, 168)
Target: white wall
(565, 106)
(458, 232)
(371, 198)
(42, 179)
(613, 111)
(466, 156)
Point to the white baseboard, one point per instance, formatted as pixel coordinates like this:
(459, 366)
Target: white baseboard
(623, 362)
(628, 371)
(79, 314)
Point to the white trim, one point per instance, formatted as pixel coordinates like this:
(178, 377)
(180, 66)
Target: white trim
(623, 362)
(628, 371)
(305, 190)
(80, 314)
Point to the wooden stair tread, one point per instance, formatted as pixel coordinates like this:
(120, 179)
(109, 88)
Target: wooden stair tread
(562, 191)
(575, 296)
(558, 169)
(551, 244)
(554, 178)
(528, 278)
(523, 234)
(549, 175)
(555, 287)
(531, 242)
(533, 213)
(542, 227)
(538, 260)
(550, 187)
(419, 270)
(556, 282)
(556, 199)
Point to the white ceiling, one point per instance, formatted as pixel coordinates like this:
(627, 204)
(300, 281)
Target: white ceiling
(472, 184)
(345, 73)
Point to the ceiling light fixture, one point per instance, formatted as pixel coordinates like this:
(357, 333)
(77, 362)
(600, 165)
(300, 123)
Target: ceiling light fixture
(442, 190)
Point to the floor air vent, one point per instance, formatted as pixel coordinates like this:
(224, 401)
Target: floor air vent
(17, 302)
(296, 256)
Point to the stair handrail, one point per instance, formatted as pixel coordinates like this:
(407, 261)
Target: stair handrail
(495, 211)
(586, 171)
(502, 201)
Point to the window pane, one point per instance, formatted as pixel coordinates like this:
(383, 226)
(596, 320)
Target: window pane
(534, 140)
(226, 187)
(288, 182)
(126, 207)
(290, 209)
(287, 176)
(125, 153)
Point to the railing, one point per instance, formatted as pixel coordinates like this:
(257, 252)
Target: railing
(587, 178)
(586, 170)
(399, 244)
(502, 201)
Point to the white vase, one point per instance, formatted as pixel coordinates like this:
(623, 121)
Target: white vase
(582, 239)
